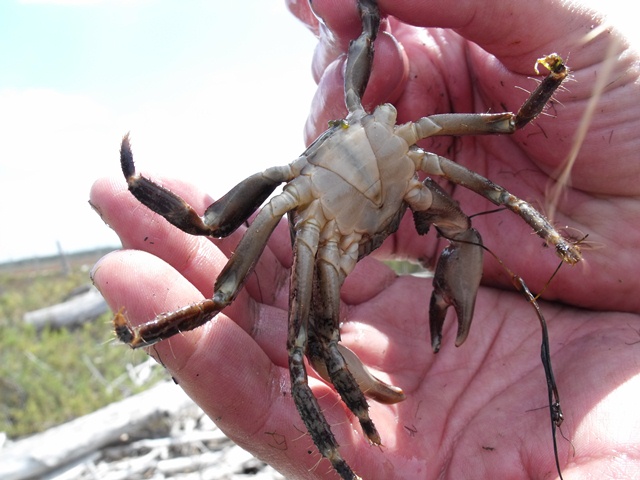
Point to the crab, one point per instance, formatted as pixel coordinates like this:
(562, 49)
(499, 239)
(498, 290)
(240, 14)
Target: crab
(344, 196)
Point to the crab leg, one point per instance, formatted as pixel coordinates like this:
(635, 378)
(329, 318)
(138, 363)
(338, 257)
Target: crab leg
(360, 56)
(301, 291)
(558, 71)
(371, 386)
(433, 164)
(222, 217)
(327, 327)
(483, 124)
(226, 288)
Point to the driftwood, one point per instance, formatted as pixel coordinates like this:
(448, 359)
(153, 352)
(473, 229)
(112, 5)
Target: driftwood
(158, 434)
(80, 308)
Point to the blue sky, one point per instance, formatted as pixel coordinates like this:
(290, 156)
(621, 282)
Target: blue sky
(195, 82)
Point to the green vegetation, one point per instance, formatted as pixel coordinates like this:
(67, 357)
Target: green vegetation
(405, 267)
(52, 376)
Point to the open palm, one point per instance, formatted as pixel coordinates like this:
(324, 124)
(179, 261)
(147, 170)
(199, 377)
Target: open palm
(479, 411)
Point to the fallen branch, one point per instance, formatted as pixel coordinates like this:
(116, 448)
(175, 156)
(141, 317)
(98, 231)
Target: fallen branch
(75, 311)
(42, 453)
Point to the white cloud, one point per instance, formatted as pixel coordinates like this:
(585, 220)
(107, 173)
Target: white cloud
(49, 144)
(236, 113)
(55, 145)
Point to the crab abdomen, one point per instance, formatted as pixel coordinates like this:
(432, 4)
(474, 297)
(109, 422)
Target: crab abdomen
(360, 173)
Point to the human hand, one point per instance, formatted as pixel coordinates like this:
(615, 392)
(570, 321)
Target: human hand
(481, 63)
(470, 412)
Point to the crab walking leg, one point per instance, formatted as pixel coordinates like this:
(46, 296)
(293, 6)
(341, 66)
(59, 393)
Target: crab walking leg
(328, 329)
(226, 288)
(360, 55)
(371, 386)
(459, 270)
(222, 217)
(558, 71)
(325, 320)
(300, 296)
(433, 164)
(491, 123)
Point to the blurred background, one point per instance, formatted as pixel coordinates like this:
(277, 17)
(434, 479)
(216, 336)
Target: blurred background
(210, 91)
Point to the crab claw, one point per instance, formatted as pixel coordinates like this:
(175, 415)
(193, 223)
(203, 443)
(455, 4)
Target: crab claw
(456, 281)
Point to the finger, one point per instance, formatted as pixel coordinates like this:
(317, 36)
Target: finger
(387, 82)
(228, 373)
(510, 30)
(341, 24)
(197, 258)
(302, 10)
(222, 368)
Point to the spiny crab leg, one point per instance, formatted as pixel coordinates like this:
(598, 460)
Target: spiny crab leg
(226, 288)
(324, 339)
(534, 104)
(234, 208)
(326, 327)
(436, 165)
(221, 218)
(301, 292)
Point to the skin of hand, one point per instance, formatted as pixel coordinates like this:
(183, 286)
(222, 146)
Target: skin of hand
(479, 411)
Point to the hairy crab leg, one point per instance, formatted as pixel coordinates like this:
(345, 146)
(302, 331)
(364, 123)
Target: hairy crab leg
(300, 296)
(495, 123)
(433, 164)
(227, 285)
(558, 71)
(222, 217)
(327, 328)
(371, 386)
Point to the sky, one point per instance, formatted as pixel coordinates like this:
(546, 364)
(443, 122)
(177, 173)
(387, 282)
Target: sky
(211, 92)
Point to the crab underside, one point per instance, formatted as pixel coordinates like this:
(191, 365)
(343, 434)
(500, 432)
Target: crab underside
(344, 195)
